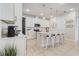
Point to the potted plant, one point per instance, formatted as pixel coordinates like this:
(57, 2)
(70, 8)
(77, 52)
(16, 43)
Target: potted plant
(9, 51)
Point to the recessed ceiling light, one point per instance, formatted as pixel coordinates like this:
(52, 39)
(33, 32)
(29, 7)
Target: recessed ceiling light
(41, 14)
(54, 20)
(27, 10)
(61, 3)
(71, 9)
(43, 17)
(51, 16)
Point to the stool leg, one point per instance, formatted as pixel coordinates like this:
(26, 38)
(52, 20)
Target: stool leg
(47, 42)
(53, 43)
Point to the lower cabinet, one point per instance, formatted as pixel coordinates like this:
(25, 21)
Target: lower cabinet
(31, 34)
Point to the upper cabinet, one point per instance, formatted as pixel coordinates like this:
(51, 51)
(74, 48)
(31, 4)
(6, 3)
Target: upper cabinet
(6, 11)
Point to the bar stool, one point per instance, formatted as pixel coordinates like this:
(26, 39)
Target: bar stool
(53, 40)
(48, 41)
(57, 39)
(61, 39)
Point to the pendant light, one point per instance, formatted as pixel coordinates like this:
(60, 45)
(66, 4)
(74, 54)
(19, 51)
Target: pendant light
(51, 15)
(43, 12)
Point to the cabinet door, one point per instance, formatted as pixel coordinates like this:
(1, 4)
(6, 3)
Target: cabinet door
(6, 11)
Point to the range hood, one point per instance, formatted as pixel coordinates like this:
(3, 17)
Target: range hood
(8, 21)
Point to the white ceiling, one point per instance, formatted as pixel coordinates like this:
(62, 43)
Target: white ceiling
(49, 9)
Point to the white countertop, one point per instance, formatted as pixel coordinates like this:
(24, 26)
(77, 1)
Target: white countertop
(44, 32)
(24, 36)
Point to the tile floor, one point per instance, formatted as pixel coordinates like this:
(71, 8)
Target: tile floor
(70, 48)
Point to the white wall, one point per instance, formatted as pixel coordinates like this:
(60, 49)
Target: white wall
(6, 11)
(18, 15)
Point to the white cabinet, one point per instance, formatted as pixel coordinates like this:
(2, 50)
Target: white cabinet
(6, 11)
(31, 34)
